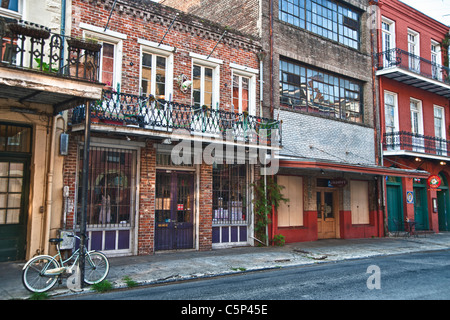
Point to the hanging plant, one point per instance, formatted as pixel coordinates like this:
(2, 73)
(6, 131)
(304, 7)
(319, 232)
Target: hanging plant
(85, 44)
(29, 29)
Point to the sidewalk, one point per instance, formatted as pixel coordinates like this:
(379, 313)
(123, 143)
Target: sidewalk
(185, 265)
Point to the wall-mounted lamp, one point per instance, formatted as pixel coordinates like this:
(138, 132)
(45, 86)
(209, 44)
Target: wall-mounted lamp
(442, 163)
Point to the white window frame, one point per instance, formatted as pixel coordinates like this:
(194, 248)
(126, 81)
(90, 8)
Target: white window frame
(204, 61)
(396, 120)
(418, 142)
(388, 60)
(251, 74)
(14, 14)
(111, 37)
(155, 49)
(442, 134)
(414, 63)
(436, 70)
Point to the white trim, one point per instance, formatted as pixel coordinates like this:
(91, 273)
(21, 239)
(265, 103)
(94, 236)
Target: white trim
(396, 119)
(113, 38)
(205, 60)
(102, 31)
(245, 70)
(251, 90)
(411, 74)
(415, 154)
(159, 49)
(149, 48)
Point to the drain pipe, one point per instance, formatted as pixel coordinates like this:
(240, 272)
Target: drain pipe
(49, 195)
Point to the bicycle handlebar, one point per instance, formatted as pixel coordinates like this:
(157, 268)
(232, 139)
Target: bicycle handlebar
(75, 236)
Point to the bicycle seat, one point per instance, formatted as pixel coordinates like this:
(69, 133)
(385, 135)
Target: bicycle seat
(55, 240)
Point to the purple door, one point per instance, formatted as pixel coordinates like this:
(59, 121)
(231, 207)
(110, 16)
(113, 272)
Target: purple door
(174, 210)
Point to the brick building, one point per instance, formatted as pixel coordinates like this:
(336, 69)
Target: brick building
(176, 86)
(414, 90)
(318, 80)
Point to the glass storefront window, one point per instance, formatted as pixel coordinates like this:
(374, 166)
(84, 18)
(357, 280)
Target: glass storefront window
(230, 199)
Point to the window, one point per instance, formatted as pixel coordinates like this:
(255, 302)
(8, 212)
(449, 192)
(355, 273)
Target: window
(417, 125)
(388, 42)
(230, 194)
(323, 17)
(11, 188)
(231, 204)
(391, 118)
(436, 68)
(413, 50)
(202, 86)
(107, 64)
(439, 130)
(241, 93)
(15, 138)
(154, 75)
(110, 55)
(12, 5)
(315, 91)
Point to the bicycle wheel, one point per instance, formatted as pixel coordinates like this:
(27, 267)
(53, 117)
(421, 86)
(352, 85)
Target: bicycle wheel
(34, 276)
(96, 267)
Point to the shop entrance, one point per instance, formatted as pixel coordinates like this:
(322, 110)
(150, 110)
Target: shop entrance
(174, 209)
(443, 205)
(326, 213)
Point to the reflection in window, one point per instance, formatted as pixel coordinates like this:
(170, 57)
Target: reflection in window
(315, 91)
(111, 186)
(229, 194)
(154, 75)
(323, 17)
(240, 93)
(202, 86)
(12, 5)
(15, 138)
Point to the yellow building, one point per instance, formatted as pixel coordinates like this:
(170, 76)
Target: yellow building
(42, 74)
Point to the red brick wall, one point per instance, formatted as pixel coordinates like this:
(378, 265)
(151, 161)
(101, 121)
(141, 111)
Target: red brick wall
(205, 223)
(70, 177)
(147, 200)
(150, 21)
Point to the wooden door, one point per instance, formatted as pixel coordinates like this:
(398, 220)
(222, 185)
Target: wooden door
(174, 210)
(326, 213)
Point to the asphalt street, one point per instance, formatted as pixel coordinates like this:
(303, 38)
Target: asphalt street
(423, 276)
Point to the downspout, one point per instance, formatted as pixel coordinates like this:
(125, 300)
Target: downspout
(63, 31)
(271, 58)
(377, 122)
(49, 195)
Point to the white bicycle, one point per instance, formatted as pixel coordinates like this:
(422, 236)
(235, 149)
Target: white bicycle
(42, 272)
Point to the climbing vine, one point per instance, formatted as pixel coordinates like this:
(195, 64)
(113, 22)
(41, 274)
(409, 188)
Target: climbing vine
(266, 197)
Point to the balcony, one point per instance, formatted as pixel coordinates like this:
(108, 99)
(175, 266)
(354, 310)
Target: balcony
(129, 114)
(407, 143)
(413, 70)
(38, 66)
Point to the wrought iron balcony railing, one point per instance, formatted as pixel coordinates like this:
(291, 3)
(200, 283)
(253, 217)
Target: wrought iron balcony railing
(29, 46)
(146, 112)
(407, 141)
(402, 59)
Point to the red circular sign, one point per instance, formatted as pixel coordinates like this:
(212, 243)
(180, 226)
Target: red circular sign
(434, 182)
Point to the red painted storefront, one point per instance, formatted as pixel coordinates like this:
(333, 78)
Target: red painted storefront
(410, 94)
